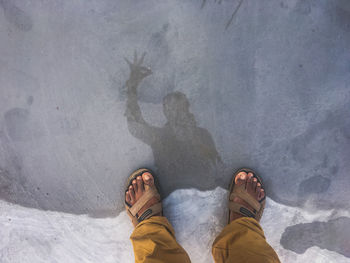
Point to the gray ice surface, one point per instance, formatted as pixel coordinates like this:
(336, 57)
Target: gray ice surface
(224, 84)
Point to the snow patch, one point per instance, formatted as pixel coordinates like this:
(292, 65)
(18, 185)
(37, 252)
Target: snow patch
(30, 235)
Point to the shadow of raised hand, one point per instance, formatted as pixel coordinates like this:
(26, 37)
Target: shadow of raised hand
(137, 71)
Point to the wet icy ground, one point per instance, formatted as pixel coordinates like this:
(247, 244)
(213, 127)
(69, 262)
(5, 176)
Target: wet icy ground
(264, 84)
(30, 235)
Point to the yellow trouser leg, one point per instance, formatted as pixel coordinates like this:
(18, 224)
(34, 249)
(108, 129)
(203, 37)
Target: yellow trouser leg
(154, 241)
(243, 240)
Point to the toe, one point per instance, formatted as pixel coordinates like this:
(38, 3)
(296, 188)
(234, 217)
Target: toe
(258, 189)
(249, 179)
(250, 176)
(240, 178)
(262, 194)
(254, 184)
(127, 197)
(147, 179)
(139, 184)
(132, 194)
(134, 185)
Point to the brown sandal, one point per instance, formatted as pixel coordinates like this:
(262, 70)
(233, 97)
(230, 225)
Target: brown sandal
(241, 192)
(151, 192)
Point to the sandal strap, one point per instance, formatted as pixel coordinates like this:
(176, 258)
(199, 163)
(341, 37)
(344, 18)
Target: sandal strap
(241, 192)
(133, 218)
(238, 208)
(153, 210)
(146, 196)
(260, 212)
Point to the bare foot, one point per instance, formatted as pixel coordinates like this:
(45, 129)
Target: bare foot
(136, 190)
(253, 188)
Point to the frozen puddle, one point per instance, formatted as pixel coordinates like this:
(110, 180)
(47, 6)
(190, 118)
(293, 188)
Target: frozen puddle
(30, 235)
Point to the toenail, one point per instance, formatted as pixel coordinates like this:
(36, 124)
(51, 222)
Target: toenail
(130, 187)
(254, 180)
(243, 176)
(138, 178)
(147, 177)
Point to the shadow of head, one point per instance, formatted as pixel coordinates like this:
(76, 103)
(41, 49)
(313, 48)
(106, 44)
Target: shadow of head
(176, 108)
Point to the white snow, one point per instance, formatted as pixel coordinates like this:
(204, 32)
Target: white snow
(30, 235)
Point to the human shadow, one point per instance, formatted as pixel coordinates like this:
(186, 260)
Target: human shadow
(333, 235)
(185, 155)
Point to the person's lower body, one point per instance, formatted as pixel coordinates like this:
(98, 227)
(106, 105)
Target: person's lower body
(242, 240)
(154, 241)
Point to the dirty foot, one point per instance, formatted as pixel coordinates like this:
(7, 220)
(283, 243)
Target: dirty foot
(253, 188)
(136, 190)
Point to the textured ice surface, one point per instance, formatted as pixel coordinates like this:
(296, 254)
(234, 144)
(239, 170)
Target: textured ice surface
(271, 91)
(30, 235)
